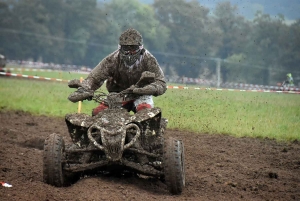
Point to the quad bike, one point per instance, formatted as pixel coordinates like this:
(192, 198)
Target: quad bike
(115, 140)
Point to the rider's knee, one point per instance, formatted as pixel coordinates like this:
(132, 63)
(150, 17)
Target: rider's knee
(143, 106)
(98, 109)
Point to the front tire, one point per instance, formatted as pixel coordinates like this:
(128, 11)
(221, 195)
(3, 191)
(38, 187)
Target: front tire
(174, 170)
(54, 152)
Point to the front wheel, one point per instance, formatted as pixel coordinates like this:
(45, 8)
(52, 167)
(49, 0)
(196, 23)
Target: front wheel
(174, 171)
(54, 152)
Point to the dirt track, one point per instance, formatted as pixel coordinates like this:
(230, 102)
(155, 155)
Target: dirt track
(217, 167)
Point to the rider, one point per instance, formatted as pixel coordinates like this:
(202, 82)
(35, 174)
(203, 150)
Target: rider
(122, 69)
(289, 82)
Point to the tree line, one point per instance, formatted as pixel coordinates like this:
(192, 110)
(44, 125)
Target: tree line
(187, 38)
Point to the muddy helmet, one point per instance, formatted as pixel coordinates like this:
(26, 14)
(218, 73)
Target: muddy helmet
(130, 44)
(131, 37)
(289, 75)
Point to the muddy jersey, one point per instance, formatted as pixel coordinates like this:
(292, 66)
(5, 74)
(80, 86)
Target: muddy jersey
(120, 76)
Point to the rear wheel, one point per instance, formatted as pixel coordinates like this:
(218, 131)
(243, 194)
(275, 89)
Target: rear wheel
(54, 152)
(174, 171)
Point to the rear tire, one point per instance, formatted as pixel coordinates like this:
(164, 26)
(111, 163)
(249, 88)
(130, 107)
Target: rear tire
(54, 152)
(174, 170)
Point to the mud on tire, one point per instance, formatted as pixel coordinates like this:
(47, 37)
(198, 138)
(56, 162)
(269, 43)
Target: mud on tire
(174, 171)
(54, 148)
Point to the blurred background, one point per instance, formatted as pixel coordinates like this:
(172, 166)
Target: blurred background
(213, 43)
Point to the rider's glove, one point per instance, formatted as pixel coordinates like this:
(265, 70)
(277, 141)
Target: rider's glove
(147, 90)
(75, 83)
(81, 94)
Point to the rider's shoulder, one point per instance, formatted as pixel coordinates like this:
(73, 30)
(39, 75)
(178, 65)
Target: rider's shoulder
(112, 56)
(149, 58)
(147, 54)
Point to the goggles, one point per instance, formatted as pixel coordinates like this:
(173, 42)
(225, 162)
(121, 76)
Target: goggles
(130, 49)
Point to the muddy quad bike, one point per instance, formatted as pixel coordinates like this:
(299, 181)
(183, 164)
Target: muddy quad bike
(115, 140)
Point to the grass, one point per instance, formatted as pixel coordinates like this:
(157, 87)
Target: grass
(253, 114)
(236, 113)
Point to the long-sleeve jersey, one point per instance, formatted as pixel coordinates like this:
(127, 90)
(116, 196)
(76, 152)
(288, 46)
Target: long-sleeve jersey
(119, 76)
(289, 80)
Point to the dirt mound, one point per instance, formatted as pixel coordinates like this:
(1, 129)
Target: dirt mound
(218, 167)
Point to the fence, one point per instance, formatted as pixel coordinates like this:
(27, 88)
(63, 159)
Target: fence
(51, 67)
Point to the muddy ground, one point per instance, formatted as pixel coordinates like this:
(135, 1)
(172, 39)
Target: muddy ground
(218, 167)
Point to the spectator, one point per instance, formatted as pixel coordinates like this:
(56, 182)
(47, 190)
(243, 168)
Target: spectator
(289, 82)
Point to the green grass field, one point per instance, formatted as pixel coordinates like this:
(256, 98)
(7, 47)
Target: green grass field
(239, 114)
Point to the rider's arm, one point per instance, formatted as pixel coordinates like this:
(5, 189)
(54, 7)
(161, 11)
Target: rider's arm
(100, 73)
(159, 86)
(93, 81)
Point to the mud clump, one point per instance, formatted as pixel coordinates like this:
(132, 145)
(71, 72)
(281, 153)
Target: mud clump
(273, 175)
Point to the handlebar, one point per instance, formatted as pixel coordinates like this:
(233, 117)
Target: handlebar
(112, 99)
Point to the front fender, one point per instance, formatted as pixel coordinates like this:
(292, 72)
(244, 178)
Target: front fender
(78, 125)
(79, 119)
(145, 114)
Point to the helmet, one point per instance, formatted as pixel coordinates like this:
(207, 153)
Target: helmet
(131, 37)
(130, 45)
(289, 75)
